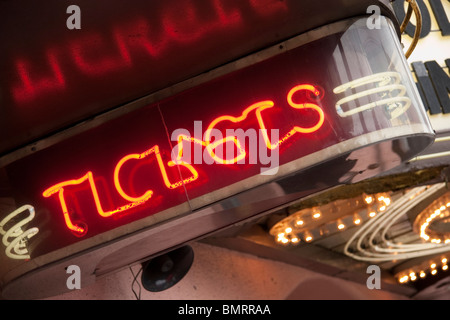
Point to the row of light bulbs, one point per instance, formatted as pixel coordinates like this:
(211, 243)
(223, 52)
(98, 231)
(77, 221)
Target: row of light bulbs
(441, 212)
(421, 272)
(293, 230)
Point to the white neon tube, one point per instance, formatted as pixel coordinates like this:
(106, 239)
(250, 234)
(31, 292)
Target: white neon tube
(380, 225)
(16, 249)
(388, 83)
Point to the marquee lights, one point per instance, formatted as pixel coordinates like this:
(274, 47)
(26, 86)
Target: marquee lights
(80, 228)
(370, 242)
(387, 86)
(310, 224)
(427, 268)
(17, 248)
(439, 210)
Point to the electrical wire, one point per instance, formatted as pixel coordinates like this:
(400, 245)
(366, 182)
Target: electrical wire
(137, 295)
(412, 7)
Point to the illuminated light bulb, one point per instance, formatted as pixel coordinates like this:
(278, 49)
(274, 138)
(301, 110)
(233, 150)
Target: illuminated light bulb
(433, 272)
(368, 199)
(281, 237)
(403, 279)
(308, 237)
(422, 274)
(444, 267)
(447, 241)
(442, 208)
(382, 208)
(356, 219)
(316, 215)
(444, 260)
(413, 278)
(341, 225)
(387, 201)
(288, 230)
(284, 240)
(433, 265)
(295, 240)
(448, 204)
(299, 222)
(372, 214)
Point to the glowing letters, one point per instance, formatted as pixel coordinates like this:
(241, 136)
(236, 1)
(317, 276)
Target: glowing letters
(16, 249)
(258, 108)
(79, 228)
(389, 90)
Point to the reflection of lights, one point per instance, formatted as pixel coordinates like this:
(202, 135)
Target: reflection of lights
(312, 223)
(17, 248)
(388, 90)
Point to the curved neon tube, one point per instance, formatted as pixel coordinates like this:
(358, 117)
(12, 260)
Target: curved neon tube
(18, 245)
(386, 82)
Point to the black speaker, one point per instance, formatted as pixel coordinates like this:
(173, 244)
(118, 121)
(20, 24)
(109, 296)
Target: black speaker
(162, 272)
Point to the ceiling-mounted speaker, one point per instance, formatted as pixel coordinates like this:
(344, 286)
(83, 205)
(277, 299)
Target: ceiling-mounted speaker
(163, 272)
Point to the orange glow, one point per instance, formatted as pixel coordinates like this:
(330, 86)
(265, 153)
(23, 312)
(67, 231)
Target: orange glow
(32, 87)
(258, 108)
(147, 195)
(59, 188)
(211, 146)
(134, 201)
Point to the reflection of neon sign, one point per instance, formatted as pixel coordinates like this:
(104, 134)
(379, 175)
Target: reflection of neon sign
(97, 55)
(16, 249)
(80, 229)
(387, 87)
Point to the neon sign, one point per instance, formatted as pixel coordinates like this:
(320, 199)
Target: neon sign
(387, 85)
(133, 170)
(17, 248)
(183, 23)
(80, 229)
